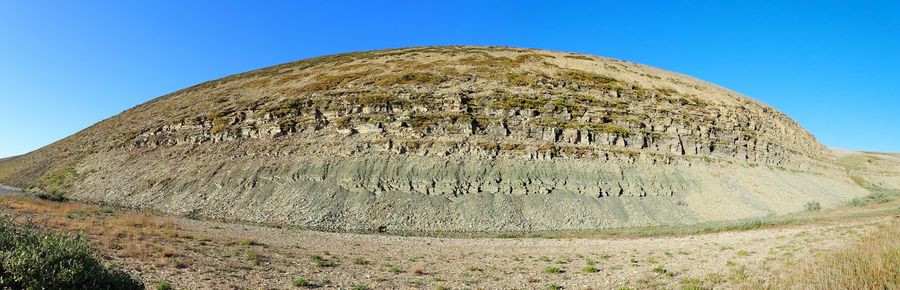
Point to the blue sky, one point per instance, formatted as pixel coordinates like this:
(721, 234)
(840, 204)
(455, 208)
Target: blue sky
(833, 66)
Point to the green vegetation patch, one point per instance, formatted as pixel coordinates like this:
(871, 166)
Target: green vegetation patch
(321, 261)
(877, 195)
(524, 79)
(578, 56)
(526, 102)
(218, 126)
(600, 128)
(415, 78)
(32, 259)
(54, 183)
(813, 206)
(163, 286)
(591, 80)
(554, 270)
(291, 106)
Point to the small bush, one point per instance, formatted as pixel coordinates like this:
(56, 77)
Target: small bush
(661, 271)
(581, 57)
(31, 259)
(878, 195)
(553, 270)
(360, 261)
(163, 286)
(218, 126)
(55, 196)
(320, 261)
(813, 206)
(55, 182)
(253, 257)
(251, 242)
(300, 282)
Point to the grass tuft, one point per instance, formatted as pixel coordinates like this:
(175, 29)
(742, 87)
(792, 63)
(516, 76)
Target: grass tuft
(872, 263)
(554, 270)
(813, 206)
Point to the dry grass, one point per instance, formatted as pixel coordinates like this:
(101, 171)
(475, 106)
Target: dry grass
(127, 234)
(872, 263)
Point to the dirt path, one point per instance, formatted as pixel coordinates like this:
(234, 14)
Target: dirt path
(193, 254)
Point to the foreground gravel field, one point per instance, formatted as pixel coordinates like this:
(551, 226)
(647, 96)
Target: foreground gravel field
(192, 254)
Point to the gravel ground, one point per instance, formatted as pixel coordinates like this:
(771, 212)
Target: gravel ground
(192, 254)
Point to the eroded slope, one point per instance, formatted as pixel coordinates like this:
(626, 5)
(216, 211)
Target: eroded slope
(447, 138)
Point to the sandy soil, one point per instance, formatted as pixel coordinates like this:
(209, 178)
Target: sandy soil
(192, 254)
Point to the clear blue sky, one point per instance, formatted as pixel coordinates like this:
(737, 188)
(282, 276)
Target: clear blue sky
(64, 65)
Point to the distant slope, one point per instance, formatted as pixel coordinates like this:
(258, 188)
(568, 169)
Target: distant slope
(447, 139)
(871, 168)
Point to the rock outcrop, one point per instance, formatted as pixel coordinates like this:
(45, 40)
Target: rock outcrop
(447, 139)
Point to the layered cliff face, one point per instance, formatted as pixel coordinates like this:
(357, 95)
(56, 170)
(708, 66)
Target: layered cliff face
(446, 138)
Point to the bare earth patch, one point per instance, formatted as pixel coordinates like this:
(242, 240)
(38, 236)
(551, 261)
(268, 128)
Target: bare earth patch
(191, 254)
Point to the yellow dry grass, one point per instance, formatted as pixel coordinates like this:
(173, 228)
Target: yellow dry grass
(125, 233)
(871, 263)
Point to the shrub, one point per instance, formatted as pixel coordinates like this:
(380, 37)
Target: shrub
(320, 261)
(54, 183)
(877, 195)
(55, 196)
(813, 206)
(253, 257)
(163, 286)
(218, 126)
(590, 79)
(300, 282)
(553, 270)
(662, 271)
(251, 242)
(360, 261)
(581, 57)
(32, 259)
